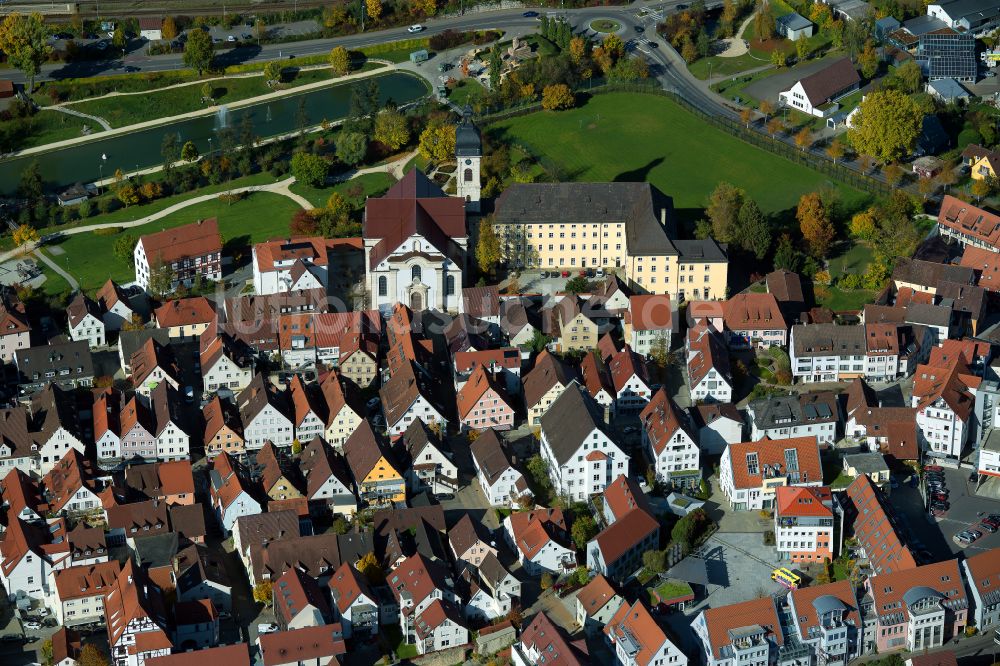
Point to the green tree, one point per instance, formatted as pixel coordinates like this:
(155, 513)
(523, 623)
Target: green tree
(296, 446)
(786, 256)
(340, 61)
(488, 251)
(723, 210)
(363, 106)
(90, 655)
(886, 125)
(263, 592)
(392, 129)
(778, 57)
(687, 530)
(864, 225)
(539, 341)
(980, 188)
(437, 141)
(496, 64)
(272, 71)
(30, 187)
(539, 470)
(557, 96)
(198, 51)
(45, 652)
(118, 37)
(689, 51)
(753, 233)
(546, 581)
(703, 43)
(24, 40)
(577, 285)
(655, 561)
(584, 529)
(351, 147)
(835, 150)
(168, 29)
(170, 149)
(189, 153)
(815, 224)
(659, 351)
(309, 169)
(124, 248)
(909, 76)
(868, 60)
(802, 49)
(340, 526)
(763, 21)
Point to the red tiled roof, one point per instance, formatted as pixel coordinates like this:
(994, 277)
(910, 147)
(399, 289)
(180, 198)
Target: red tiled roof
(636, 623)
(479, 384)
(623, 495)
(875, 531)
(771, 452)
(756, 612)
(804, 597)
(706, 351)
(505, 357)
(888, 589)
(547, 639)
(628, 530)
(986, 264)
(533, 529)
(299, 645)
(970, 220)
(624, 365)
(650, 312)
(803, 502)
(191, 240)
(951, 383)
(223, 655)
(661, 420)
(750, 311)
(86, 580)
(596, 594)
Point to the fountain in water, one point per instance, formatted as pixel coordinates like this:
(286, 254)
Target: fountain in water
(268, 116)
(222, 118)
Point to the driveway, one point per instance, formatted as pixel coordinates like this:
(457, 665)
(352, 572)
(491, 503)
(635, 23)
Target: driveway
(769, 86)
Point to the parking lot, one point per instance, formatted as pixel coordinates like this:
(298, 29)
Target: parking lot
(924, 532)
(531, 281)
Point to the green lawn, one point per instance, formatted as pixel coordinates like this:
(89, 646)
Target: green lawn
(396, 51)
(50, 126)
(259, 217)
(854, 261)
(640, 137)
(374, 184)
(716, 66)
(466, 91)
(131, 109)
(605, 25)
(669, 589)
(843, 299)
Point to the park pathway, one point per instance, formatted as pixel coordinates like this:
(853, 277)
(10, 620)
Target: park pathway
(79, 114)
(73, 284)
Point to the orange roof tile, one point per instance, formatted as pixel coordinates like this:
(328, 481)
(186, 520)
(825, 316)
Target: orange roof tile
(772, 452)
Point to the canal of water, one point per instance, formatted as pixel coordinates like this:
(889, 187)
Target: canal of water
(90, 160)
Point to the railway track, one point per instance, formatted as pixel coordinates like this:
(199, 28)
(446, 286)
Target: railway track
(90, 9)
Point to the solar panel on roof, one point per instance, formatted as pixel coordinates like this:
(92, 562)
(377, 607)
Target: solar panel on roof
(824, 410)
(792, 460)
(810, 412)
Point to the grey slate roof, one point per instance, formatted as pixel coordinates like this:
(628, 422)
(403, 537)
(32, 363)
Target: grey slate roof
(468, 142)
(868, 462)
(927, 314)
(792, 410)
(637, 205)
(69, 362)
(129, 342)
(930, 273)
(706, 250)
(828, 340)
(570, 419)
(794, 21)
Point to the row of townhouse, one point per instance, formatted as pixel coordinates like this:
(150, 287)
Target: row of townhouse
(750, 473)
(37, 434)
(831, 352)
(140, 427)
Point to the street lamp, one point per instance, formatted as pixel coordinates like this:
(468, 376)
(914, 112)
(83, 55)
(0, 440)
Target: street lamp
(100, 170)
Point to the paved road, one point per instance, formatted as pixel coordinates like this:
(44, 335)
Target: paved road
(502, 19)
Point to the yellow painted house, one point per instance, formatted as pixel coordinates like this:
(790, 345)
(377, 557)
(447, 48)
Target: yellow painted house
(376, 475)
(276, 484)
(985, 167)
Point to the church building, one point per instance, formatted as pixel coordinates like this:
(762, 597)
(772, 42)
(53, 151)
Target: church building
(415, 242)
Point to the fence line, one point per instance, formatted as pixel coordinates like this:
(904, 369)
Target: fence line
(837, 171)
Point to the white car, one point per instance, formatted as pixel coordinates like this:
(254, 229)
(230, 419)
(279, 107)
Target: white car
(415, 28)
(267, 628)
(32, 626)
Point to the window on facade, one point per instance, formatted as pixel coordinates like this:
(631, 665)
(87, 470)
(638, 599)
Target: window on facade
(383, 286)
(415, 273)
(449, 285)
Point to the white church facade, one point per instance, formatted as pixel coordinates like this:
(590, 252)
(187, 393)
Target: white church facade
(415, 236)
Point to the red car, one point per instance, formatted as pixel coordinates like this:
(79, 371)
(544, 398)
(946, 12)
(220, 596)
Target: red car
(933, 468)
(565, 273)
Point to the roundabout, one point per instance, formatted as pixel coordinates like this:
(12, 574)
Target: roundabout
(605, 25)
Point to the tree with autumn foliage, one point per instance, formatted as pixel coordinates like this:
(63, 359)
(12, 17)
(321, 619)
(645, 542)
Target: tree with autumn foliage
(557, 96)
(24, 234)
(815, 224)
(91, 655)
(373, 8)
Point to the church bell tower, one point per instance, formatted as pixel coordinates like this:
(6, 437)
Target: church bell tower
(468, 155)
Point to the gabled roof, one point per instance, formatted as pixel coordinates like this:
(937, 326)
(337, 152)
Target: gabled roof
(265, 527)
(335, 396)
(595, 376)
(533, 529)
(219, 414)
(634, 624)
(774, 458)
(363, 450)
(133, 598)
(894, 592)
(184, 312)
(875, 529)
(305, 401)
(434, 616)
(489, 455)
(986, 264)
(295, 646)
(481, 301)
(347, 585)
(110, 294)
(650, 312)
(723, 621)
(79, 308)
(836, 77)
(803, 502)
(548, 372)
(623, 495)
(929, 273)
(984, 569)
(810, 602)
(150, 356)
(467, 533)
(160, 479)
(258, 394)
(623, 534)
(970, 220)
(402, 390)
(596, 594)
(952, 384)
(545, 638)
(479, 384)
(749, 311)
(293, 591)
(318, 462)
(785, 286)
(416, 577)
(793, 410)
(12, 317)
(412, 206)
(86, 580)
(223, 655)
(569, 420)
(508, 358)
(190, 240)
(706, 351)
(624, 365)
(661, 420)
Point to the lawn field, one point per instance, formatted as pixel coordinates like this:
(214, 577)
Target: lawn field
(466, 91)
(49, 126)
(256, 218)
(640, 137)
(374, 184)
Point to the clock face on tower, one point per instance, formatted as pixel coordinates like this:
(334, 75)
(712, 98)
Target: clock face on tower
(468, 161)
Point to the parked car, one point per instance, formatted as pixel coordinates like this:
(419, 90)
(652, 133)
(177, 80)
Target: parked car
(933, 468)
(416, 27)
(582, 273)
(944, 506)
(231, 38)
(445, 497)
(267, 628)
(565, 274)
(530, 14)
(32, 626)
(989, 527)
(544, 274)
(599, 273)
